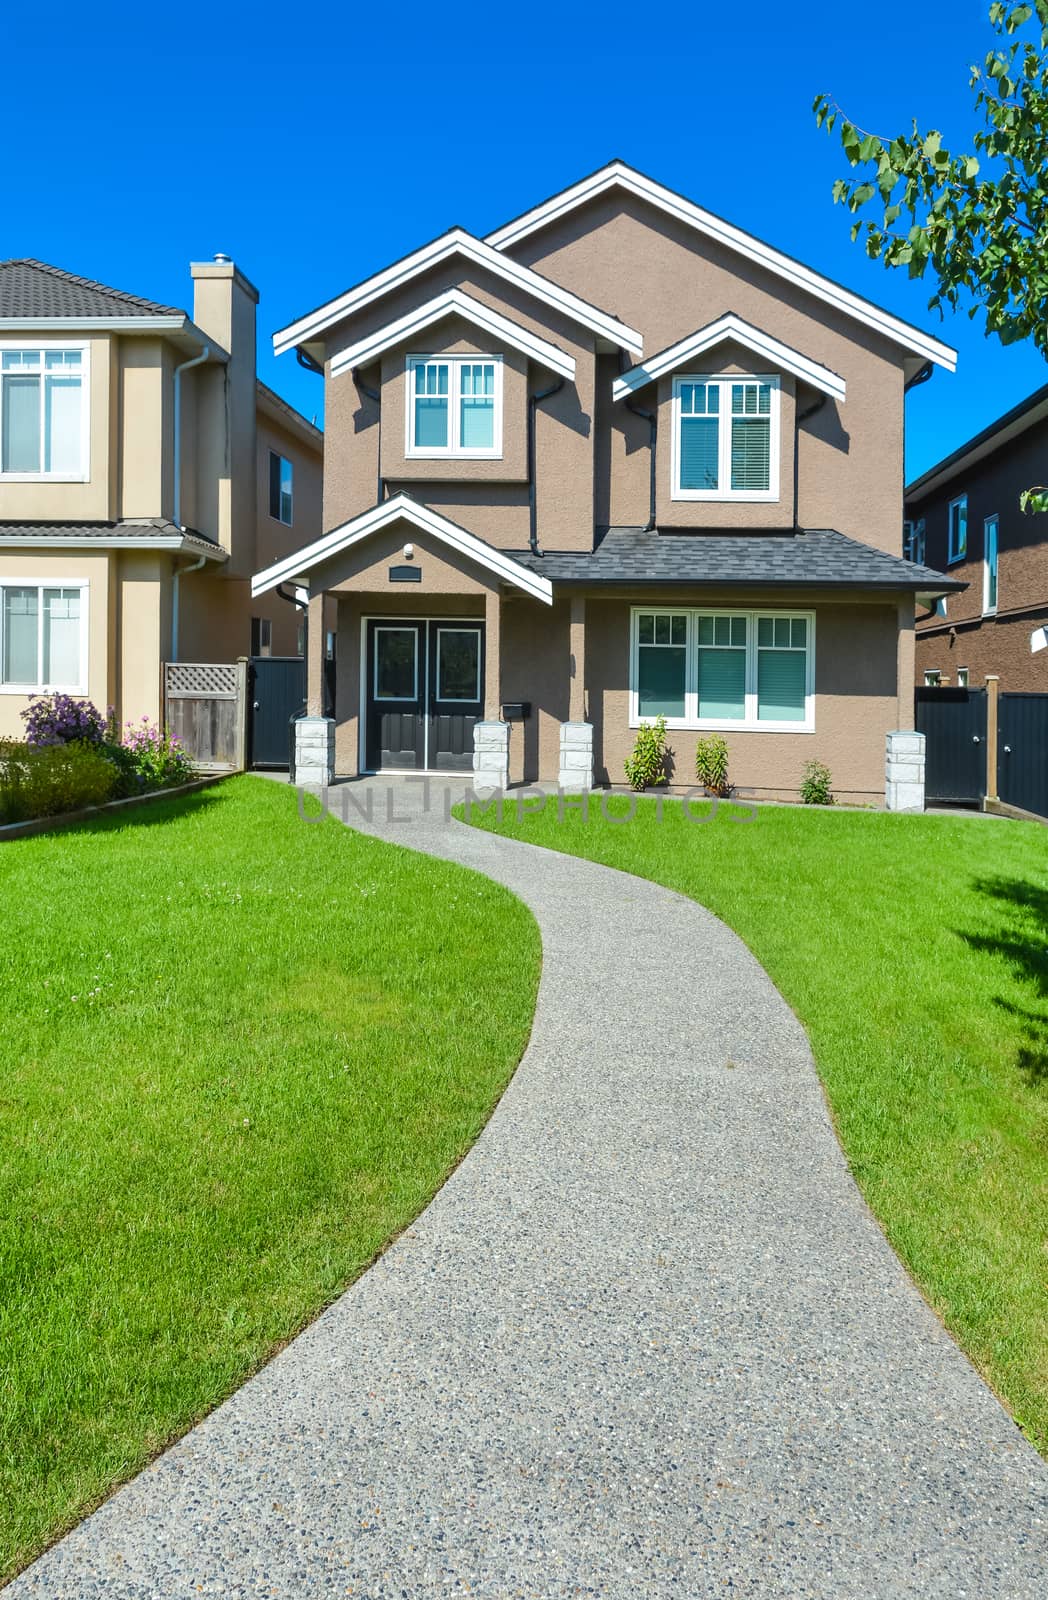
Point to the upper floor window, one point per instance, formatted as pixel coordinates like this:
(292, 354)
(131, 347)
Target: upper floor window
(281, 489)
(43, 412)
(454, 406)
(990, 527)
(43, 637)
(726, 438)
(957, 536)
(913, 541)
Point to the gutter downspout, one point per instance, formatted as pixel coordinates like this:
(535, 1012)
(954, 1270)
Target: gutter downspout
(194, 566)
(533, 401)
(194, 361)
(375, 396)
(652, 419)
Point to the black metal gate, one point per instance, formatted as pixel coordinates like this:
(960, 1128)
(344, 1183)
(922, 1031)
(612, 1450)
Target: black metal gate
(1022, 751)
(276, 692)
(953, 722)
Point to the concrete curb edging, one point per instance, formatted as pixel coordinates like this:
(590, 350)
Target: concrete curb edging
(67, 819)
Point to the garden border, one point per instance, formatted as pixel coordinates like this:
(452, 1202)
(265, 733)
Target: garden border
(65, 819)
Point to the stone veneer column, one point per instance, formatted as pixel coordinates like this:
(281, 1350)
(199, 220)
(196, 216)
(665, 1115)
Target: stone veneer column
(314, 751)
(491, 755)
(904, 772)
(576, 756)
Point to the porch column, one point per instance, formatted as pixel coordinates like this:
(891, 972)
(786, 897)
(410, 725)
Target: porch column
(315, 733)
(576, 735)
(491, 737)
(315, 657)
(904, 756)
(905, 656)
(492, 657)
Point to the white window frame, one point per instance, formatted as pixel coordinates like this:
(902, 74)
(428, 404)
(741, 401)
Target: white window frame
(394, 699)
(41, 686)
(933, 678)
(724, 380)
(449, 699)
(691, 719)
(962, 677)
(84, 351)
(952, 555)
(452, 450)
(988, 609)
(285, 461)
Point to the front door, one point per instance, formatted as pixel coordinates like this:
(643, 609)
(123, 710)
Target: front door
(423, 694)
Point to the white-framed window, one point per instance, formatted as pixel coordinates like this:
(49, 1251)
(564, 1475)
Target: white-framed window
(933, 680)
(913, 541)
(957, 529)
(454, 406)
(723, 669)
(990, 530)
(44, 412)
(962, 677)
(281, 489)
(43, 636)
(725, 438)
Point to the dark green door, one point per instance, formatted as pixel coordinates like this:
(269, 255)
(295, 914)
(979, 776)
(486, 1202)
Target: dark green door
(424, 694)
(456, 697)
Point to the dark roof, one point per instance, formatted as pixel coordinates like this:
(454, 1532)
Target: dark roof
(32, 289)
(808, 558)
(983, 443)
(105, 532)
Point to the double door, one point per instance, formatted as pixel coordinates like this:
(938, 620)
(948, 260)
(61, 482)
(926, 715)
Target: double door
(423, 693)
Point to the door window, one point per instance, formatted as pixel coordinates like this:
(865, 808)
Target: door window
(396, 664)
(458, 664)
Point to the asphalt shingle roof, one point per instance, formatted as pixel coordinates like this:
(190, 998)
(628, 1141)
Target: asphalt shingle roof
(148, 528)
(814, 557)
(31, 289)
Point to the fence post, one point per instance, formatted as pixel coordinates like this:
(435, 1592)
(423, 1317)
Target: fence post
(241, 735)
(993, 684)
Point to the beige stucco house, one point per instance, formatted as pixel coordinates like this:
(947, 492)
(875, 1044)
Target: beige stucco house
(145, 474)
(616, 460)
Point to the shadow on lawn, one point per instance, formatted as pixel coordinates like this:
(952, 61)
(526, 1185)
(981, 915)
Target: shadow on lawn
(1022, 939)
(148, 814)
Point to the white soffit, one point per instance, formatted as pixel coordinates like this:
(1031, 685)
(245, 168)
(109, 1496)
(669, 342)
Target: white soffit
(454, 302)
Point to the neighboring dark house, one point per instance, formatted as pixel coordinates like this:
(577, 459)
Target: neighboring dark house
(963, 517)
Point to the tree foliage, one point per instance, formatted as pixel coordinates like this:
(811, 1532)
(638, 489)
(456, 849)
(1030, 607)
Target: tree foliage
(978, 219)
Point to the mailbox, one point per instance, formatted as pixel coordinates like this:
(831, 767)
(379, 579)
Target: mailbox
(516, 710)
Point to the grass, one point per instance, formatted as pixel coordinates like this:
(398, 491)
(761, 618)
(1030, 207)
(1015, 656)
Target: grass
(915, 952)
(240, 1052)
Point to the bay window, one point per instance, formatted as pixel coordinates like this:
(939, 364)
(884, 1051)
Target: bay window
(454, 406)
(43, 637)
(725, 438)
(723, 669)
(43, 412)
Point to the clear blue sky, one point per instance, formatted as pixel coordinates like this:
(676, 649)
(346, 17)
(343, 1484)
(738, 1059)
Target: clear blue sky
(317, 143)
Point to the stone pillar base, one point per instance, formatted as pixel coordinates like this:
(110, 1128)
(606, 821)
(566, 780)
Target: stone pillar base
(904, 772)
(491, 755)
(576, 756)
(314, 751)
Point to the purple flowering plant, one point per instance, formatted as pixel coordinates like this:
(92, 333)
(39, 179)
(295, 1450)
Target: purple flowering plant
(59, 719)
(145, 756)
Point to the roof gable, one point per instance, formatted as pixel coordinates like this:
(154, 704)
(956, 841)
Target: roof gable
(453, 302)
(734, 329)
(618, 175)
(33, 291)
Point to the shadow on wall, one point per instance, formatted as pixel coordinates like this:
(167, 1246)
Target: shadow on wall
(1022, 939)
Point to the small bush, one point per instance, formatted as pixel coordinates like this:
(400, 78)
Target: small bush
(160, 761)
(711, 764)
(815, 784)
(44, 781)
(647, 765)
(59, 719)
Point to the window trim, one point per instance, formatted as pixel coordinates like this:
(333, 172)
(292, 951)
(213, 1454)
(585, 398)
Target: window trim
(290, 523)
(691, 719)
(952, 556)
(732, 496)
(84, 350)
(989, 610)
(40, 584)
(932, 673)
(452, 451)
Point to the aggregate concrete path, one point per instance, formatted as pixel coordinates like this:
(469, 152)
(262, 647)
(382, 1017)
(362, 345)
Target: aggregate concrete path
(646, 1342)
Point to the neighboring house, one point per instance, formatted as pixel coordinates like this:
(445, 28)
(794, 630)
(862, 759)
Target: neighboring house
(964, 517)
(617, 460)
(144, 475)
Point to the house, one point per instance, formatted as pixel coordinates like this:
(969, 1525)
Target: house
(964, 517)
(616, 460)
(145, 474)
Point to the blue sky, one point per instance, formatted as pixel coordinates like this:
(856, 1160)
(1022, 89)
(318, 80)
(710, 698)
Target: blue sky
(316, 144)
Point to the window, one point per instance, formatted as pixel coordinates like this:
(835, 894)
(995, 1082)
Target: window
(932, 680)
(281, 489)
(43, 418)
(725, 439)
(723, 669)
(990, 565)
(962, 677)
(957, 547)
(913, 541)
(43, 637)
(454, 406)
(261, 636)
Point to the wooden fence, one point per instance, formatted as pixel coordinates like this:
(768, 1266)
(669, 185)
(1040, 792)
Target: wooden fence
(205, 706)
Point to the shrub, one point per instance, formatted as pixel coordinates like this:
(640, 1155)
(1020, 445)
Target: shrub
(647, 764)
(815, 784)
(711, 764)
(44, 781)
(59, 719)
(159, 760)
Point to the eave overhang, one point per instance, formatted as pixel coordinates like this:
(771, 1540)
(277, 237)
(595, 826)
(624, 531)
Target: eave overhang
(730, 329)
(453, 302)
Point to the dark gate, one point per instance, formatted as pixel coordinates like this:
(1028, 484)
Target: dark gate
(953, 722)
(276, 692)
(1022, 751)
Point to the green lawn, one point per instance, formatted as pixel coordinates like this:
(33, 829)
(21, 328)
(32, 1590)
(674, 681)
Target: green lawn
(239, 1052)
(915, 952)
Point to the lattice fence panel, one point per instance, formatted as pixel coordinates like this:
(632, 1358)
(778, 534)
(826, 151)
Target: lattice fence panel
(205, 707)
(195, 680)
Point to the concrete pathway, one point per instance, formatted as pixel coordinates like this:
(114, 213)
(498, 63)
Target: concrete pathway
(646, 1342)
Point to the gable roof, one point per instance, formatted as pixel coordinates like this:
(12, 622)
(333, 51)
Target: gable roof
(1025, 415)
(733, 328)
(618, 175)
(33, 291)
(457, 242)
(453, 302)
(402, 508)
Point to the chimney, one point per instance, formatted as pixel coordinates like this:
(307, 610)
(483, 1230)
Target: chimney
(224, 302)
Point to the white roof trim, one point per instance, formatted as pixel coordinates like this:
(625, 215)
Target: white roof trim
(619, 175)
(457, 242)
(454, 303)
(74, 541)
(729, 327)
(401, 506)
(93, 324)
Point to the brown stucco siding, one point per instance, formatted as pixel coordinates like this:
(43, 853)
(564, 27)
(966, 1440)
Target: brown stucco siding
(999, 645)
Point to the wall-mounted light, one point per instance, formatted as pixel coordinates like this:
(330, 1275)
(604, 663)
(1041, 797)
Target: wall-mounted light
(409, 552)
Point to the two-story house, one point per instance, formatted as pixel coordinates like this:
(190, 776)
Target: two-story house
(145, 474)
(617, 460)
(964, 516)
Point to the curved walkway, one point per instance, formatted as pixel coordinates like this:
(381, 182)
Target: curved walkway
(647, 1341)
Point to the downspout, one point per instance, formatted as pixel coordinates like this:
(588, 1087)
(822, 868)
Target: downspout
(652, 419)
(194, 361)
(375, 396)
(533, 401)
(802, 416)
